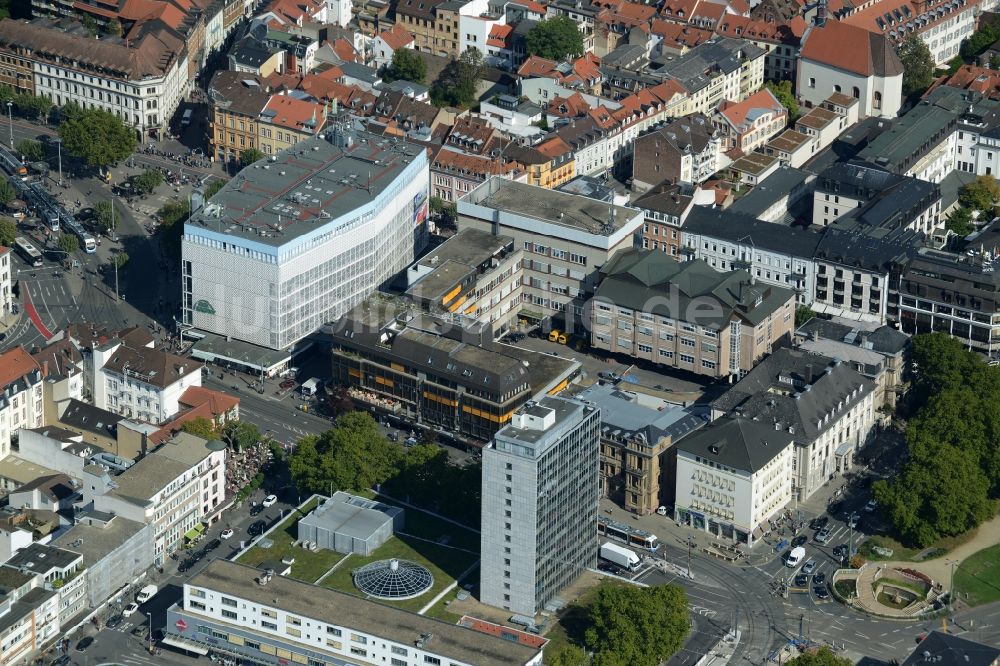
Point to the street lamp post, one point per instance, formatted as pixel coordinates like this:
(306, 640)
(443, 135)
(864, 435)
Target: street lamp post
(10, 119)
(150, 616)
(59, 147)
(951, 586)
(690, 545)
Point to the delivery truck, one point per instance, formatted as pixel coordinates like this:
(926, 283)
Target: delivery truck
(616, 554)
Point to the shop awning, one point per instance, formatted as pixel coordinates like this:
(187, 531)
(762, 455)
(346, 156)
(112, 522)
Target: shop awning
(194, 532)
(185, 644)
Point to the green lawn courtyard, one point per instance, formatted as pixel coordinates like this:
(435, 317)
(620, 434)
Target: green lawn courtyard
(308, 565)
(977, 579)
(444, 562)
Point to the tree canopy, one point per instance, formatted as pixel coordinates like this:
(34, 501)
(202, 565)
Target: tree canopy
(952, 473)
(353, 456)
(637, 626)
(147, 181)
(456, 84)
(104, 217)
(68, 243)
(7, 192)
(565, 655)
(201, 426)
(8, 231)
(918, 65)
(406, 65)
(240, 435)
(981, 194)
(249, 156)
(783, 91)
(959, 221)
(30, 149)
(120, 259)
(822, 657)
(555, 38)
(214, 186)
(97, 136)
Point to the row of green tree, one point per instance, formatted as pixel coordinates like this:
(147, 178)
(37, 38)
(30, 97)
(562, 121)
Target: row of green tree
(24, 104)
(355, 456)
(951, 477)
(237, 435)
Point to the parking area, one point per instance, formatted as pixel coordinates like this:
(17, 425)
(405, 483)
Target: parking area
(684, 386)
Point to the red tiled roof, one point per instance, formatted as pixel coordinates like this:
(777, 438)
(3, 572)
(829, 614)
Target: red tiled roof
(536, 66)
(14, 364)
(979, 79)
(554, 147)
(868, 18)
(396, 37)
(477, 165)
(568, 107)
(741, 27)
(679, 34)
(499, 36)
(296, 114)
(147, 10)
(217, 401)
(852, 49)
(344, 50)
(736, 112)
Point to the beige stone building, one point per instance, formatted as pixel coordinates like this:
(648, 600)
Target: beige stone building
(687, 315)
(638, 431)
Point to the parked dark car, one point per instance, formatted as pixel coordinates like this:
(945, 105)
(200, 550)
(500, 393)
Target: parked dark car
(212, 545)
(819, 522)
(799, 540)
(61, 661)
(819, 578)
(821, 592)
(114, 621)
(257, 528)
(801, 580)
(84, 643)
(256, 509)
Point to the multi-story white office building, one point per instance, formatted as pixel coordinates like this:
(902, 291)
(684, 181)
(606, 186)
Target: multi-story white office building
(296, 240)
(141, 82)
(826, 406)
(140, 382)
(541, 485)
(772, 253)
(733, 475)
(565, 238)
(252, 615)
(6, 296)
(176, 488)
(21, 403)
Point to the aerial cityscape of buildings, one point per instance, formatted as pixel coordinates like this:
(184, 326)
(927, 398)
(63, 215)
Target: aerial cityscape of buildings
(404, 332)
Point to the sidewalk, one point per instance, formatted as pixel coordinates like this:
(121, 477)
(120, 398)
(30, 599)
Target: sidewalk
(939, 569)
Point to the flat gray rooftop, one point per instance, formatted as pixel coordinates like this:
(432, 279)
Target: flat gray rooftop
(353, 516)
(94, 542)
(213, 347)
(305, 187)
(148, 476)
(568, 210)
(455, 259)
(564, 410)
(338, 608)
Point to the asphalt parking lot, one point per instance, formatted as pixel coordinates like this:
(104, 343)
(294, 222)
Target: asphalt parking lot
(685, 386)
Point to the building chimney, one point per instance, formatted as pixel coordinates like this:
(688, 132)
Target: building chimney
(809, 373)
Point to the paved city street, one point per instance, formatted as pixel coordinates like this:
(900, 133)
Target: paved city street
(128, 642)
